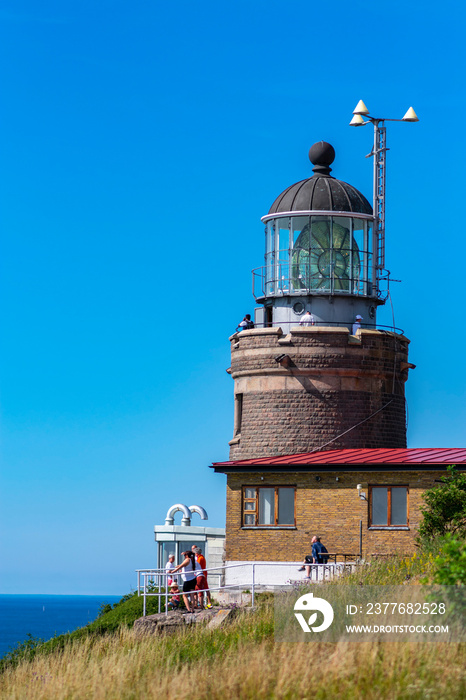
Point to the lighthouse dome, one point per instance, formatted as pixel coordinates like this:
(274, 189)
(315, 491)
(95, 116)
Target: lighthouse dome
(321, 192)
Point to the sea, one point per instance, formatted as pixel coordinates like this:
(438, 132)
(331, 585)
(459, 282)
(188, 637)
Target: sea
(44, 616)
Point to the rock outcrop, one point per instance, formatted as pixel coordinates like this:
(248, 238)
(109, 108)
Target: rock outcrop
(160, 623)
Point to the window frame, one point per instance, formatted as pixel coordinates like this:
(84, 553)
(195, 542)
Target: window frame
(255, 511)
(389, 525)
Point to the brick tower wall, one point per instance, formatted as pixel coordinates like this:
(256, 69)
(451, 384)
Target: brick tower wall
(333, 380)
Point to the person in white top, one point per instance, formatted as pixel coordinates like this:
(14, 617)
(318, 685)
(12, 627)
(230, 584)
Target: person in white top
(245, 325)
(189, 571)
(307, 320)
(357, 324)
(169, 566)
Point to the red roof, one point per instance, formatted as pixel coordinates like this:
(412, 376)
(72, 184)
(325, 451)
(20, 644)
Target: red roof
(422, 455)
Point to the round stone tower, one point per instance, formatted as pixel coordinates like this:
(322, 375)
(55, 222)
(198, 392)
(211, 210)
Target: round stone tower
(316, 372)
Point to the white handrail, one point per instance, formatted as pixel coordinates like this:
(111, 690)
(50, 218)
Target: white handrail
(146, 575)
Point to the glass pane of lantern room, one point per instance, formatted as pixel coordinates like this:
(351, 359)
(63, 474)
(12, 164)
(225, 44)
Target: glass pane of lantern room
(298, 223)
(269, 256)
(300, 256)
(370, 262)
(359, 246)
(269, 235)
(320, 253)
(399, 514)
(286, 506)
(284, 235)
(266, 506)
(379, 506)
(341, 254)
(283, 254)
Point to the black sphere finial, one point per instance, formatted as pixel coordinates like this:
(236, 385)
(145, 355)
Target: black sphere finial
(322, 155)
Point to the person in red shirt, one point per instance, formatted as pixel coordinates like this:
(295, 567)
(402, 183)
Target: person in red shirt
(201, 581)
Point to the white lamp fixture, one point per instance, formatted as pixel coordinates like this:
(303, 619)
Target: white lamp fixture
(361, 108)
(410, 116)
(361, 493)
(357, 120)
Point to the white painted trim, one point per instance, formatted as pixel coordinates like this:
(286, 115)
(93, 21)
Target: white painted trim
(347, 214)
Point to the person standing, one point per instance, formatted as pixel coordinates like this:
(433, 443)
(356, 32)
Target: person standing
(202, 584)
(189, 572)
(307, 320)
(246, 324)
(357, 324)
(169, 566)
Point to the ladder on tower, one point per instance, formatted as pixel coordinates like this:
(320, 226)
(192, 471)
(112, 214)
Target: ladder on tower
(380, 158)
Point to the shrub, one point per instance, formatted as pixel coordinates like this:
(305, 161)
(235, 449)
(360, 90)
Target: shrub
(450, 565)
(445, 509)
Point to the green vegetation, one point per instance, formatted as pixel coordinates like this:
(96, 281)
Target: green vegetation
(394, 570)
(240, 660)
(449, 568)
(445, 509)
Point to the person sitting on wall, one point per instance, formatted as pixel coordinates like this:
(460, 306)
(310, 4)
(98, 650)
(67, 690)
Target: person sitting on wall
(174, 603)
(317, 556)
(318, 551)
(307, 563)
(189, 572)
(246, 324)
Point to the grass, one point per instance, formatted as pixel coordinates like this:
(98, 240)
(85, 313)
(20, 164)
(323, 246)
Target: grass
(240, 660)
(237, 661)
(394, 570)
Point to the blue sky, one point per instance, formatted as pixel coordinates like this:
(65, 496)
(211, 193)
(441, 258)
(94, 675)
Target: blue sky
(140, 145)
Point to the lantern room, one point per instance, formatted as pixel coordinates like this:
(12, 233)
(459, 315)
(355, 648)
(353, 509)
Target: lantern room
(319, 252)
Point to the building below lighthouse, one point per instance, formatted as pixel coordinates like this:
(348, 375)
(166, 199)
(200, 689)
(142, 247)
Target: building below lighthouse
(319, 429)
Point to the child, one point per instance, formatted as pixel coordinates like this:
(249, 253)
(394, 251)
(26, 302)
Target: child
(174, 603)
(168, 569)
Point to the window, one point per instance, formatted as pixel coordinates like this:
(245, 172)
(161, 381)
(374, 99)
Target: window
(268, 506)
(238, 419)
(388, 506)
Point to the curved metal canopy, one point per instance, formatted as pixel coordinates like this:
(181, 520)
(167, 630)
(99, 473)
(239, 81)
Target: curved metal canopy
(321, 192)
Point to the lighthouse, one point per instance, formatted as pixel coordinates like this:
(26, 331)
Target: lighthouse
(319, 252)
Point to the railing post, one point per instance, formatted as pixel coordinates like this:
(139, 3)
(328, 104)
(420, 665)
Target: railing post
(166, 593)
(253, 585)
(144, 594)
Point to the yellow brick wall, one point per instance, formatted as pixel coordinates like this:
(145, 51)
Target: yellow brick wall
(327, 508)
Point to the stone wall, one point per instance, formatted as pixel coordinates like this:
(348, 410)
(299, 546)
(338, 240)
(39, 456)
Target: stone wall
(327, 508)
(328, 382)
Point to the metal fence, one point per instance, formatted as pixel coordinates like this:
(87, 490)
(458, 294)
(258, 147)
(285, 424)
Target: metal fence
(286, 325)
(154, 582)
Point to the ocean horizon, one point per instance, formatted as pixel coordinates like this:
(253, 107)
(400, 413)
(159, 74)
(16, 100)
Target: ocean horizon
(44, 616)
